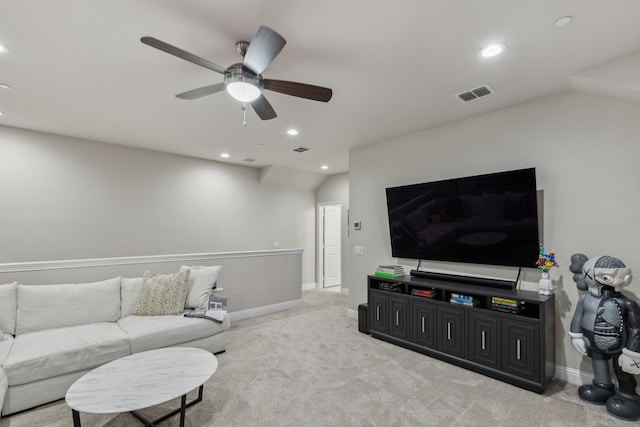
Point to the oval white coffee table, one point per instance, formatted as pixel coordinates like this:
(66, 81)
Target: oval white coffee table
(142, 380)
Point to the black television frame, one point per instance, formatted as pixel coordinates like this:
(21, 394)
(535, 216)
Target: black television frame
(489, 219)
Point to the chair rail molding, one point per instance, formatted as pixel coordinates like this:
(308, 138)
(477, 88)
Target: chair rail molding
(100, 262)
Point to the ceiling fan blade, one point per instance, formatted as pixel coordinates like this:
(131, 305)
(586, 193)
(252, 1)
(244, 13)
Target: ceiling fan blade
(201, 91)
(263, 49)
(300, 90)
(182, 54)
(263, 109)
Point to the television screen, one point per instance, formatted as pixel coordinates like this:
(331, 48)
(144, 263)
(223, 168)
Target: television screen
(484, 219)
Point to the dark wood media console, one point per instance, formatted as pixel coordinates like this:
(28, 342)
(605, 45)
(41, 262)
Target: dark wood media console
(518, 348)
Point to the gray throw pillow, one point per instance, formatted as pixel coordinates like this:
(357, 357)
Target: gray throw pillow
(162, 294)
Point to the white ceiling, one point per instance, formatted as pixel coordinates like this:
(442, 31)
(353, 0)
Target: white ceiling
(78, 68)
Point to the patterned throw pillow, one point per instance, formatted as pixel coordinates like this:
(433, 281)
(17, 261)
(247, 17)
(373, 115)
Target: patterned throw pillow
(162, 294)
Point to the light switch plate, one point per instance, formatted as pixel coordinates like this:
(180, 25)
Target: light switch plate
(359, 250)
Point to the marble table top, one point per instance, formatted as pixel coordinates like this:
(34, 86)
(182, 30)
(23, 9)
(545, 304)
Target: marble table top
(141, 380)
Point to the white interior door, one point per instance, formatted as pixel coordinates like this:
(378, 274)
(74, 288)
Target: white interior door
(332, 252)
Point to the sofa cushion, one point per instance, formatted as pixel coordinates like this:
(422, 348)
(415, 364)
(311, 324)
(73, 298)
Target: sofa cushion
(44, 354)
(5, 346)
(150, 332)
(201, 280)
(162, 294)
(4, 384)
(54, 306)
(130, 289)
(8, 302)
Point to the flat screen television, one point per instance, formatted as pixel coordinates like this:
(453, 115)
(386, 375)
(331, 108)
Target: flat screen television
(483, 219)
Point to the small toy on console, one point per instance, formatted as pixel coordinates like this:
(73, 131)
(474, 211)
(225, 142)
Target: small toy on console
(606, 326)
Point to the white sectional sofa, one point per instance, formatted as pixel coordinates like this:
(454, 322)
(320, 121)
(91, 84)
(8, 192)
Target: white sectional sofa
(54, 334)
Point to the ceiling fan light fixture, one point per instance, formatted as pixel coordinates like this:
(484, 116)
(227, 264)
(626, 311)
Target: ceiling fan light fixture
(243, 91)
(242, 85)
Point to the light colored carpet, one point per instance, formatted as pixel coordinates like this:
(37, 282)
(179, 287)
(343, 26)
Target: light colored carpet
(310, 366)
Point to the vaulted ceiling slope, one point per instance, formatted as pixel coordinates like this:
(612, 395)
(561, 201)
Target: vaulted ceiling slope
(78, 68)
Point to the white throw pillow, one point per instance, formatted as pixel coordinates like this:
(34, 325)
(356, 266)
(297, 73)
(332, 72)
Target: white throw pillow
(8, 307)
(201, 280)
(162, 294)
(55, 306)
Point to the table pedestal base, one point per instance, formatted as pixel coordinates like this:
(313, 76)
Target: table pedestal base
(145, 421)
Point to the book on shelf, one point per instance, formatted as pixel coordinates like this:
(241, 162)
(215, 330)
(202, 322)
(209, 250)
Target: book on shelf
(472, 303)
(426, 293)
(389, 271)
(462, 299)
(393, 287)
(507, 305)
(385, 274)
(507, 309)
(505, 301)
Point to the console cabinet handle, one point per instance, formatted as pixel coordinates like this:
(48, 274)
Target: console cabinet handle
(377, 312)
(397, 318)
(448, 331)
(423, 326)
(484, 346)
(518, 348)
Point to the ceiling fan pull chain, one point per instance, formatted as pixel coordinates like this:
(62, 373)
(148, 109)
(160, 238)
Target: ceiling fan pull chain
(244, 115)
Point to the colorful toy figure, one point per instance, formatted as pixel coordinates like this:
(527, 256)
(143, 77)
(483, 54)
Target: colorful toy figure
(606, 326)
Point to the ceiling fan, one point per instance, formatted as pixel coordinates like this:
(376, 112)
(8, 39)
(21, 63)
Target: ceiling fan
(244, 80)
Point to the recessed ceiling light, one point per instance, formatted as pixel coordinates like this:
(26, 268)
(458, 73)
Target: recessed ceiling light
(292, 132)
(561, 22)
(4, 86)
(3, 48)
(225, 155)
(492, 50)
(324, 167)
(1, 113)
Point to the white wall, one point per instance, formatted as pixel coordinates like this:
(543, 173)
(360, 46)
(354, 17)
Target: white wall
(585, 149)
(67, 198)
(335, 189)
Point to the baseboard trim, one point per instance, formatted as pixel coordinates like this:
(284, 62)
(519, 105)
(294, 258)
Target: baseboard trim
(344, 291)
(264, 310)
(573, 376)
(308, 286)
(352, 314)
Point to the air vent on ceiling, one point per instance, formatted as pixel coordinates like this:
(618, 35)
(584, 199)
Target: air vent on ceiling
(476, 93)
(300, 149)
(249, 160)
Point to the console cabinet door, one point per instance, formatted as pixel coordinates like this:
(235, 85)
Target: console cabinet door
(423, 323)
(521, 348)
(450, 334)
(378, 312)
(399, 316)
(484, 338)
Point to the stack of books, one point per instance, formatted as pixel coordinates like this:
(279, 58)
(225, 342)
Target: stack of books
(426, 293)
(389, 271)
(464, 299)
(391, 287)
(507, 305)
